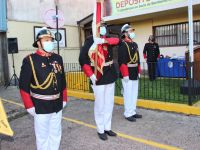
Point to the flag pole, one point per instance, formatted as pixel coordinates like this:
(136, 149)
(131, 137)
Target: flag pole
(96, 35)
(57, 30)
(98, 22)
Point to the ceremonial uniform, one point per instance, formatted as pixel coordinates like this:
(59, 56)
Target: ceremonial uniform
(43, 87)
(104, 87)
(129, 63)
(151, 52)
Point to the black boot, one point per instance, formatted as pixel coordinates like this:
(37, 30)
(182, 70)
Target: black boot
(111, 133)
(137, 116)
(102, 136)
(131, 119)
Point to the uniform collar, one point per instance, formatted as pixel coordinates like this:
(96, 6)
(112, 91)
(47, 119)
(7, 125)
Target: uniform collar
(128, 40)
(42, 53)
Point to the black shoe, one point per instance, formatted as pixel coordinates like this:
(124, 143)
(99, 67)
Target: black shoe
(131, 119)
(102, 136)
(137, 116)
(111, 133)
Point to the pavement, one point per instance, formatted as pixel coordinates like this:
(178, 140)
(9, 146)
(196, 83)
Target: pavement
(156, 130)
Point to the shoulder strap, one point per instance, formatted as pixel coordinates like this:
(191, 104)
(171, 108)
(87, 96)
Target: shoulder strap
(133, 59)
(47, 82)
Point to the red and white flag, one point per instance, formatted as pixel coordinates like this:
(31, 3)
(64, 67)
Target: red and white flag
(96, 51)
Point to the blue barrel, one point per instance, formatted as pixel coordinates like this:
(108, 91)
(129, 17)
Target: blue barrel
(173, 68)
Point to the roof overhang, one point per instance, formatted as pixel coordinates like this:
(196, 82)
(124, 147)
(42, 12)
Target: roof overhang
(85, 20)
(152, 12)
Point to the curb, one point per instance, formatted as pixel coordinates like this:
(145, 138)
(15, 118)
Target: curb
(148, 104)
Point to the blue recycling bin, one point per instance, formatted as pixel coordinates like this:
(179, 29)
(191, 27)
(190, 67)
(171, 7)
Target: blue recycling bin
(173, 68)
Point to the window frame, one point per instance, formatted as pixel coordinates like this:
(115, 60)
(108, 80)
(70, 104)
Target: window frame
(185, 32)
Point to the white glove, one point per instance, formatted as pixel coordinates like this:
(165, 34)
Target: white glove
(64, 104)
(93, 79)
(31, 111)
(93, 46)
(126, 79)
(138, 75)
(99, 40)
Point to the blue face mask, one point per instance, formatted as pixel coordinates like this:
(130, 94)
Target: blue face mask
(103, 30)
(48, 46)
(131, 35)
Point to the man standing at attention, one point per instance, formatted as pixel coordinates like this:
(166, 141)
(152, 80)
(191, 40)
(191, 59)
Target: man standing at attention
(129, 63)
(43, 90)
(103, 84)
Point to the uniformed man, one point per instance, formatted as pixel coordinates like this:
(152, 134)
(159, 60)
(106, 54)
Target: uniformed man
(43, 90)
(151, 54)
(103, 84)
(129, 63)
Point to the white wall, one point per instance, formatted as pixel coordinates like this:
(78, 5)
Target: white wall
(24, 31)
(32, 10)
(142, 29)
(23, 15)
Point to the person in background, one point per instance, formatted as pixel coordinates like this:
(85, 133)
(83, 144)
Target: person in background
(151, 55)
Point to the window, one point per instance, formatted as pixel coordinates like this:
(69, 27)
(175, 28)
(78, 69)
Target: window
(176, 34)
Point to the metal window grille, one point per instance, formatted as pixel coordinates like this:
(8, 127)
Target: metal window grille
(176, 34)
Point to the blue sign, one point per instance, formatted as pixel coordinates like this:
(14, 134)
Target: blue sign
(3, 21)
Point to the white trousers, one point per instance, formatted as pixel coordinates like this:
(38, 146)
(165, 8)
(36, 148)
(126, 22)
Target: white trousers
(130, 94)
(48, 130)
(103, 106)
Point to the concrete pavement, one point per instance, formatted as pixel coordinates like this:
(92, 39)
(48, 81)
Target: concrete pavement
(157, 130)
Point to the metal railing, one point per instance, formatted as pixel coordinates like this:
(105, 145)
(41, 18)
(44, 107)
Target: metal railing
(76, 79)
(170, 83)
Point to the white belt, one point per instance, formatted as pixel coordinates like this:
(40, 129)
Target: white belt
(45, 97)
(105, 64)
(132, 65)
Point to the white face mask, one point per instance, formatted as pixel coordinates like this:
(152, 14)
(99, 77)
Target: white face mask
(48, 46)
(131, 35)
(103, 30)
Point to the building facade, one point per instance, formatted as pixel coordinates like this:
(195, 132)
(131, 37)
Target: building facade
(167, 20)
(25, 17)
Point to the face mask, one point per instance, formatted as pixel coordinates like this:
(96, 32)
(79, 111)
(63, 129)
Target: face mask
(103, 30)
(131, 35)
(48, 46)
